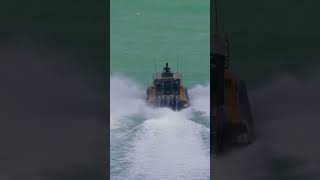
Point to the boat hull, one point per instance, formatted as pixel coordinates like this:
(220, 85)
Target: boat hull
(174, 101)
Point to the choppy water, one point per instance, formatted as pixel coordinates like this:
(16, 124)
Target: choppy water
(266, 38)
(147, 143)
(158, 143)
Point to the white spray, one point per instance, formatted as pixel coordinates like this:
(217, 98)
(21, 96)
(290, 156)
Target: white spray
(157, 143)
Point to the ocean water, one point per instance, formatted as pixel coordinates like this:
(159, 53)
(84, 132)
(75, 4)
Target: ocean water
(274, 47)
(145, 31)
(148, 143)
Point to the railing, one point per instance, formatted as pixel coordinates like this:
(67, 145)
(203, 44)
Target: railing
(158, 75)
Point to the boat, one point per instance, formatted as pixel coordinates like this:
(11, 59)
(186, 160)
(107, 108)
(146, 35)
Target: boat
(167, 90)
(231, 119)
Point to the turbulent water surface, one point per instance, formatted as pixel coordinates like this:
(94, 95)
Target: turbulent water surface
(149, 143)
(158, 143)
(267, 38)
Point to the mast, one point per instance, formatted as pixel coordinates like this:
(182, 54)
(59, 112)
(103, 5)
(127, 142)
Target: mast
(155, 68)
(217, 66)
(177, 66)
(218, 58)
(215, 14)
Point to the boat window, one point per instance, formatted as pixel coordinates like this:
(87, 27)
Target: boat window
(175, 86)
(167, 87)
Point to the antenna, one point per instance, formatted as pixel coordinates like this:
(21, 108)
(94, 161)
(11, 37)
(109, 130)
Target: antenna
(215, 16)
(228, 54)
(163, 61)
(177, 64)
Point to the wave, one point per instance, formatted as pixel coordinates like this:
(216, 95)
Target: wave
(157, 143)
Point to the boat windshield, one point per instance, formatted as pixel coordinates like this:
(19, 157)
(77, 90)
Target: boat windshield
(167, 87)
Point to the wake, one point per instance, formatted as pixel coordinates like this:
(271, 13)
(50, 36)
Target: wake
(158, 143)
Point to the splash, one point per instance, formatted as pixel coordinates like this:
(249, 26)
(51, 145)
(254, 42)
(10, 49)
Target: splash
(287, 120)
(157, 143)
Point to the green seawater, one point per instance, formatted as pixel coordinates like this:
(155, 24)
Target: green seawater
(145, 31)
(159, 143)
(267, 38)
